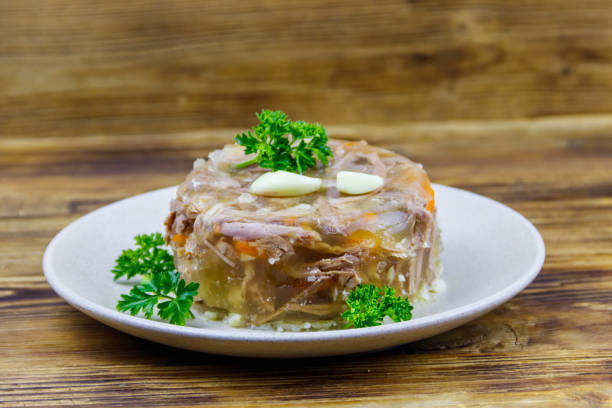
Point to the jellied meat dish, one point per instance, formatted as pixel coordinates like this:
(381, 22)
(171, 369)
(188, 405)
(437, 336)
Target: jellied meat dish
(279, 259)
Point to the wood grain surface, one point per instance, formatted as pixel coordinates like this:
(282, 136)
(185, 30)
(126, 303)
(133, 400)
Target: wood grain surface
(98, 67)
(103, 100)
(549, 346)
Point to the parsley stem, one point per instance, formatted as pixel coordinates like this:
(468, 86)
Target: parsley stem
(247, 163)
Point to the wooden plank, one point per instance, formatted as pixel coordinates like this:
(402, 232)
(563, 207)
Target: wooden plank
(74, 67)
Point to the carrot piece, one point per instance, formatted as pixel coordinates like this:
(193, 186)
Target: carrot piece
(246, 248)
(427, 187)
(431, 205)
(179, 239)
(369, 216)
(364, 238)
(290, 220)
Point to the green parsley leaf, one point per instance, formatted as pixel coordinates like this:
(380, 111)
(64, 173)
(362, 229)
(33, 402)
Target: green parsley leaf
(178, 309)
(137, 300)
(368, 306)
(281, 144)
(160, 282)
(148, 258)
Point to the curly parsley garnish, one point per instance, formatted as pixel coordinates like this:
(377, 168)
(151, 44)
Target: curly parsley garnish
(368, 306)
(281, 144)
(160, 282)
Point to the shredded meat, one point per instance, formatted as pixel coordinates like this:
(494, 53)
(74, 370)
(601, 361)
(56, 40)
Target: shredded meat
(339, 262)
(256, 230)
(219, 253)
(275, 247)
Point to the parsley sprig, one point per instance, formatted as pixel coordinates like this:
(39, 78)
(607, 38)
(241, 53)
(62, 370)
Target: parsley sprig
(160, 282)
(281, 144)
(149, 258)
(368, 306)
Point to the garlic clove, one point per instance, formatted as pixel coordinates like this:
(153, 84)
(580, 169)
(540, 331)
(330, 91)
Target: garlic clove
(355, 183)
(284, 184)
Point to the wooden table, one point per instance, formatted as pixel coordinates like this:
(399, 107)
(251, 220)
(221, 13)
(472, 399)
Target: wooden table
(550, 344)
(103, 100)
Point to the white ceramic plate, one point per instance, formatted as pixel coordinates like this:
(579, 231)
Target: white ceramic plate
(491, 253)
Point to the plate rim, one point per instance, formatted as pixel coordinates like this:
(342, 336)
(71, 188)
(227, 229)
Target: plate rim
(475, 308)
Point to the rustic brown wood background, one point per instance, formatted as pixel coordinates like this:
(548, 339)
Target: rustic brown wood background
(100, 100)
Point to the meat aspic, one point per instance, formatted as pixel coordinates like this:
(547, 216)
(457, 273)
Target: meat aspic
(297, 258)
